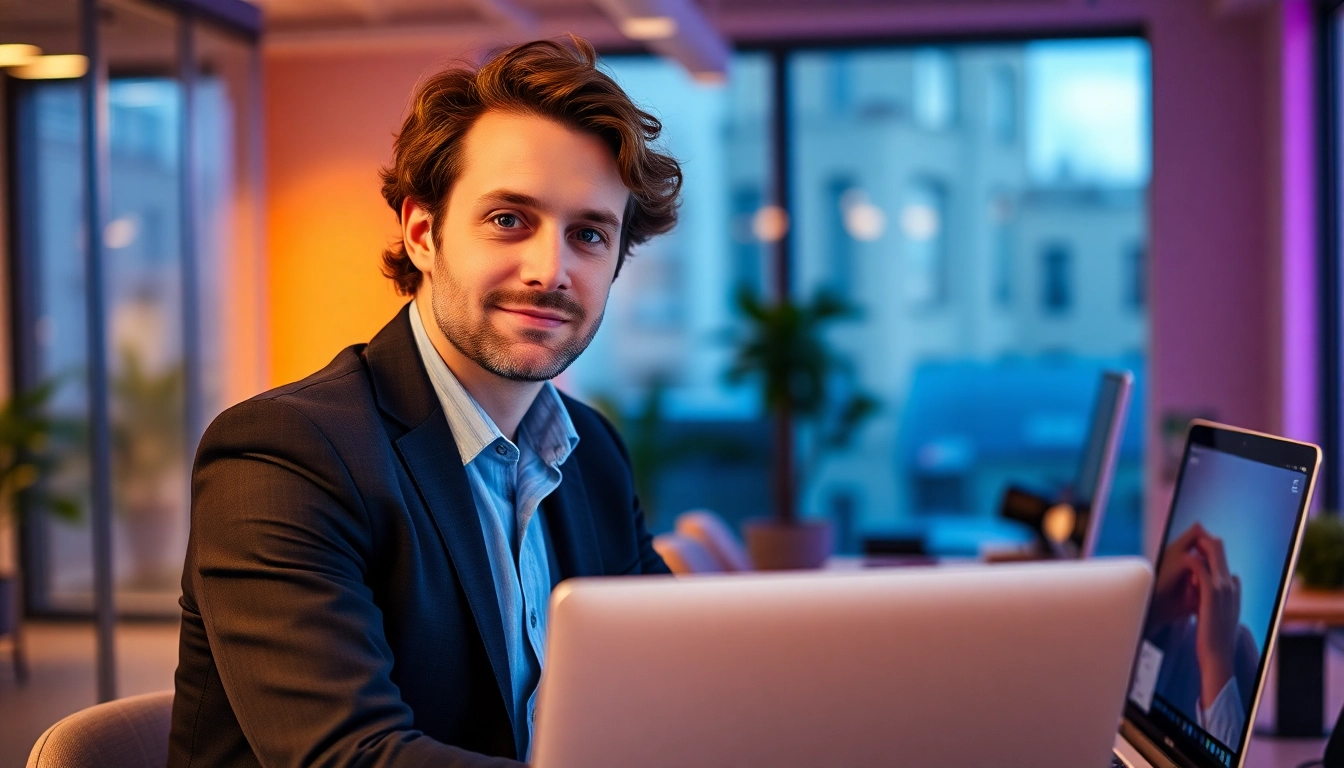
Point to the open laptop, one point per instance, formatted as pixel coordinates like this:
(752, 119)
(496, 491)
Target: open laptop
(1020, 664)
(1227, 559)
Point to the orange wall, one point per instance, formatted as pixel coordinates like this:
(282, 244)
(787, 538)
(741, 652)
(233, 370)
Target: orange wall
(330, 121)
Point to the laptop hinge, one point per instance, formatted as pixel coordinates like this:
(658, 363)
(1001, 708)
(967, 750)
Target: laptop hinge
(1145, 746)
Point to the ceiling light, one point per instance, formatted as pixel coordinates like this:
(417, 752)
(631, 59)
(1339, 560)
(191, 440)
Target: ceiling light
(649, 27)
(53, 67)
(18, 54)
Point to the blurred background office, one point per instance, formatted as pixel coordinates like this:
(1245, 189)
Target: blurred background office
(1003, 197)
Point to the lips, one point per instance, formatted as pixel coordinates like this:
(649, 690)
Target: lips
(540, 314)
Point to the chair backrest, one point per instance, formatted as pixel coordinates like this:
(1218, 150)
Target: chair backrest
(128, 733)
(713, 533)
(685, 555)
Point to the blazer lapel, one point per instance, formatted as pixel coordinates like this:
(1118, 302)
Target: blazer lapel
(570, 521)
(430, 454)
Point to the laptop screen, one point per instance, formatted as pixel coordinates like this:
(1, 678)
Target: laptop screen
(1220, 574)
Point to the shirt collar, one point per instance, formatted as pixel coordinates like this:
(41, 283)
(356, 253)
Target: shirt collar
(546, 425)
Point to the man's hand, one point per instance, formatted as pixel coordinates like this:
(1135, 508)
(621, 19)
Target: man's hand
(1219, 616)
(1176, 596)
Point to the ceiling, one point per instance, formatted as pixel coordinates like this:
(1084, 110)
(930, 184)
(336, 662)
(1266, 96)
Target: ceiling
(287, 16)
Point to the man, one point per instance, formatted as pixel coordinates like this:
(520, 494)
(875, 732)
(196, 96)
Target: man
(372, 547)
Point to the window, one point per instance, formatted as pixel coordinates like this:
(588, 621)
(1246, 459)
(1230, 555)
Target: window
(1003, 245)
(930, 200)
(1003, 104)
(749, 252)
(166, 270)
(978, 384)
(842, 82)
(1136, 282)
(935, 88)
(843, 197)
(924, 228)
(1056, 279)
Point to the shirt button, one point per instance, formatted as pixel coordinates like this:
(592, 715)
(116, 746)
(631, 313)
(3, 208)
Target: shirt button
(534, 619)
(501, 450)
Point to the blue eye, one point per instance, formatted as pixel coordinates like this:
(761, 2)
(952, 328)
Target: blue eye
(591, 236)
(506, 220)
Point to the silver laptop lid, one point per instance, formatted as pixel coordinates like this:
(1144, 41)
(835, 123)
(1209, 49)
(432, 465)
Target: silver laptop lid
(1021, 664)
(1223, 572)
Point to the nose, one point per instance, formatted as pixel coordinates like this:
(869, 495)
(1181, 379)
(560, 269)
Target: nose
(544, 261)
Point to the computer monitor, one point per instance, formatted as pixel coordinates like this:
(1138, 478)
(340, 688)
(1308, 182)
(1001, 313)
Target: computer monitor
(1068, 527)
(1096, 468)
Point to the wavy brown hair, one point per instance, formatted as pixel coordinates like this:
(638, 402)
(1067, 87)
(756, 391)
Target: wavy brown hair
(542, 78)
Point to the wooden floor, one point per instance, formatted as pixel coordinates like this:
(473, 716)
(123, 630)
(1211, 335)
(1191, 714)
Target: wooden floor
(62, 681)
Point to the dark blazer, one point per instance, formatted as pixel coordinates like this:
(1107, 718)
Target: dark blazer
(338, 607)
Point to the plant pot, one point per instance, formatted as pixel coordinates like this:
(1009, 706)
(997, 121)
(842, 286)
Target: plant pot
(774, 545)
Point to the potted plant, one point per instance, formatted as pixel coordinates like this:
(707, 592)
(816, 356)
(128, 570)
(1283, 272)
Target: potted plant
(1321, 562)
(784, 349)
(29, 457)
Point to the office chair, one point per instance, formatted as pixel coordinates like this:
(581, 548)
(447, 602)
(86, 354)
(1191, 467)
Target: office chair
(128, 733)
(713, 533)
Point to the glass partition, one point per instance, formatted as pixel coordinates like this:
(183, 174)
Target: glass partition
(145, 250)
(226, 129)
(180, 232)
(44, 181)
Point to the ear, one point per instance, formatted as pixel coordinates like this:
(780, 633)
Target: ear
(417, 234)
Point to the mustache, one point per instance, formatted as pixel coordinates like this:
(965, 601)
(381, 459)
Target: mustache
(555, 300)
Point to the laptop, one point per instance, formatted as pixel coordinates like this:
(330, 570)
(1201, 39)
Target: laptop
(1017, 664)
(1223, 573)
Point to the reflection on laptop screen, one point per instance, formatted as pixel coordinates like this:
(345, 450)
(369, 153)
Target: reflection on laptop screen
(1219, 575)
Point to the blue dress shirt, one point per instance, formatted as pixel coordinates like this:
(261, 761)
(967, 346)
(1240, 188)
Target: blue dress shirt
(508, 483)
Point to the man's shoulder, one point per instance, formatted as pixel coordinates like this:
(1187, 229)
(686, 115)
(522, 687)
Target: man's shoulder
(326, 400)
(345, 371)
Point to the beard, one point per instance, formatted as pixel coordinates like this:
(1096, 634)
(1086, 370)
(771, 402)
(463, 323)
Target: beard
(480, 342)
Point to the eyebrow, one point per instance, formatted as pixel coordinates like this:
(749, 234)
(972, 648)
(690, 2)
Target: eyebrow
(509, 197)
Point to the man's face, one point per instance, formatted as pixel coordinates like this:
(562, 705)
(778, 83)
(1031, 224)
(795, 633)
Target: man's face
(530, 237)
